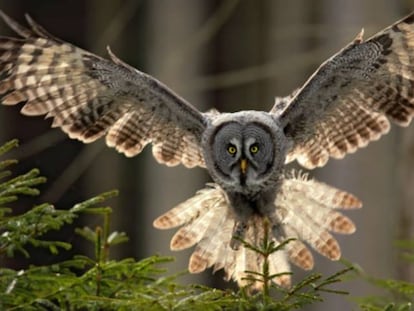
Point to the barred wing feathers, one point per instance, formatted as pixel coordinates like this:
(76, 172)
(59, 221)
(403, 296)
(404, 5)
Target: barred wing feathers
(351, 98)
(89, 97)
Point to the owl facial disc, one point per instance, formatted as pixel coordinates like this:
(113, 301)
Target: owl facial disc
(243, 152)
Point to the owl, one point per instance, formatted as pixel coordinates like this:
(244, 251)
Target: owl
(348, 102)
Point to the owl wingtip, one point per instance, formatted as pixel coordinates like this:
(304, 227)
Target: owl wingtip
(109, 50)
(359, 37)
(5, 17)
(15, 26)
(28, 18)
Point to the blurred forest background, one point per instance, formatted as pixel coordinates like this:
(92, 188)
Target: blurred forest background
(231, 55)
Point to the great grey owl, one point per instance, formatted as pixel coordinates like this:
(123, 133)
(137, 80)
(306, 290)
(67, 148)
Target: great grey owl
(344, 105)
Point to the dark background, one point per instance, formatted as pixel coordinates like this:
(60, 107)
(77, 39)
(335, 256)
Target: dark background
(231, 55)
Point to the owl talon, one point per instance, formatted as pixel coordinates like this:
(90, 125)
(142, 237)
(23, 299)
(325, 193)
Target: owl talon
(235, 243)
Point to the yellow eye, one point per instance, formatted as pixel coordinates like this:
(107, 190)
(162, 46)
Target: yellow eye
(254, 149)
(231, 149)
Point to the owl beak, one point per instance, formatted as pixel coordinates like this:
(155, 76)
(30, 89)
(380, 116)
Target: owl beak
(243, 166)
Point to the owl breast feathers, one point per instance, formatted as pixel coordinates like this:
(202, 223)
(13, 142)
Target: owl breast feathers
(348, 102)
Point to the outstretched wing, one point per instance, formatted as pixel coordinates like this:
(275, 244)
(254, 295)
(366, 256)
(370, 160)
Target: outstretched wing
(90, 97)
(350, 99)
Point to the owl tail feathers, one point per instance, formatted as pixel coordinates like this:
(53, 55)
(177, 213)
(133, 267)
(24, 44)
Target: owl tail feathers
(208, 224)
(260, 258)
(308, 211)
(305, 211)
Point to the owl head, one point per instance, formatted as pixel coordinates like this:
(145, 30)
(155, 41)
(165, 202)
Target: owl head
(244, 151)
